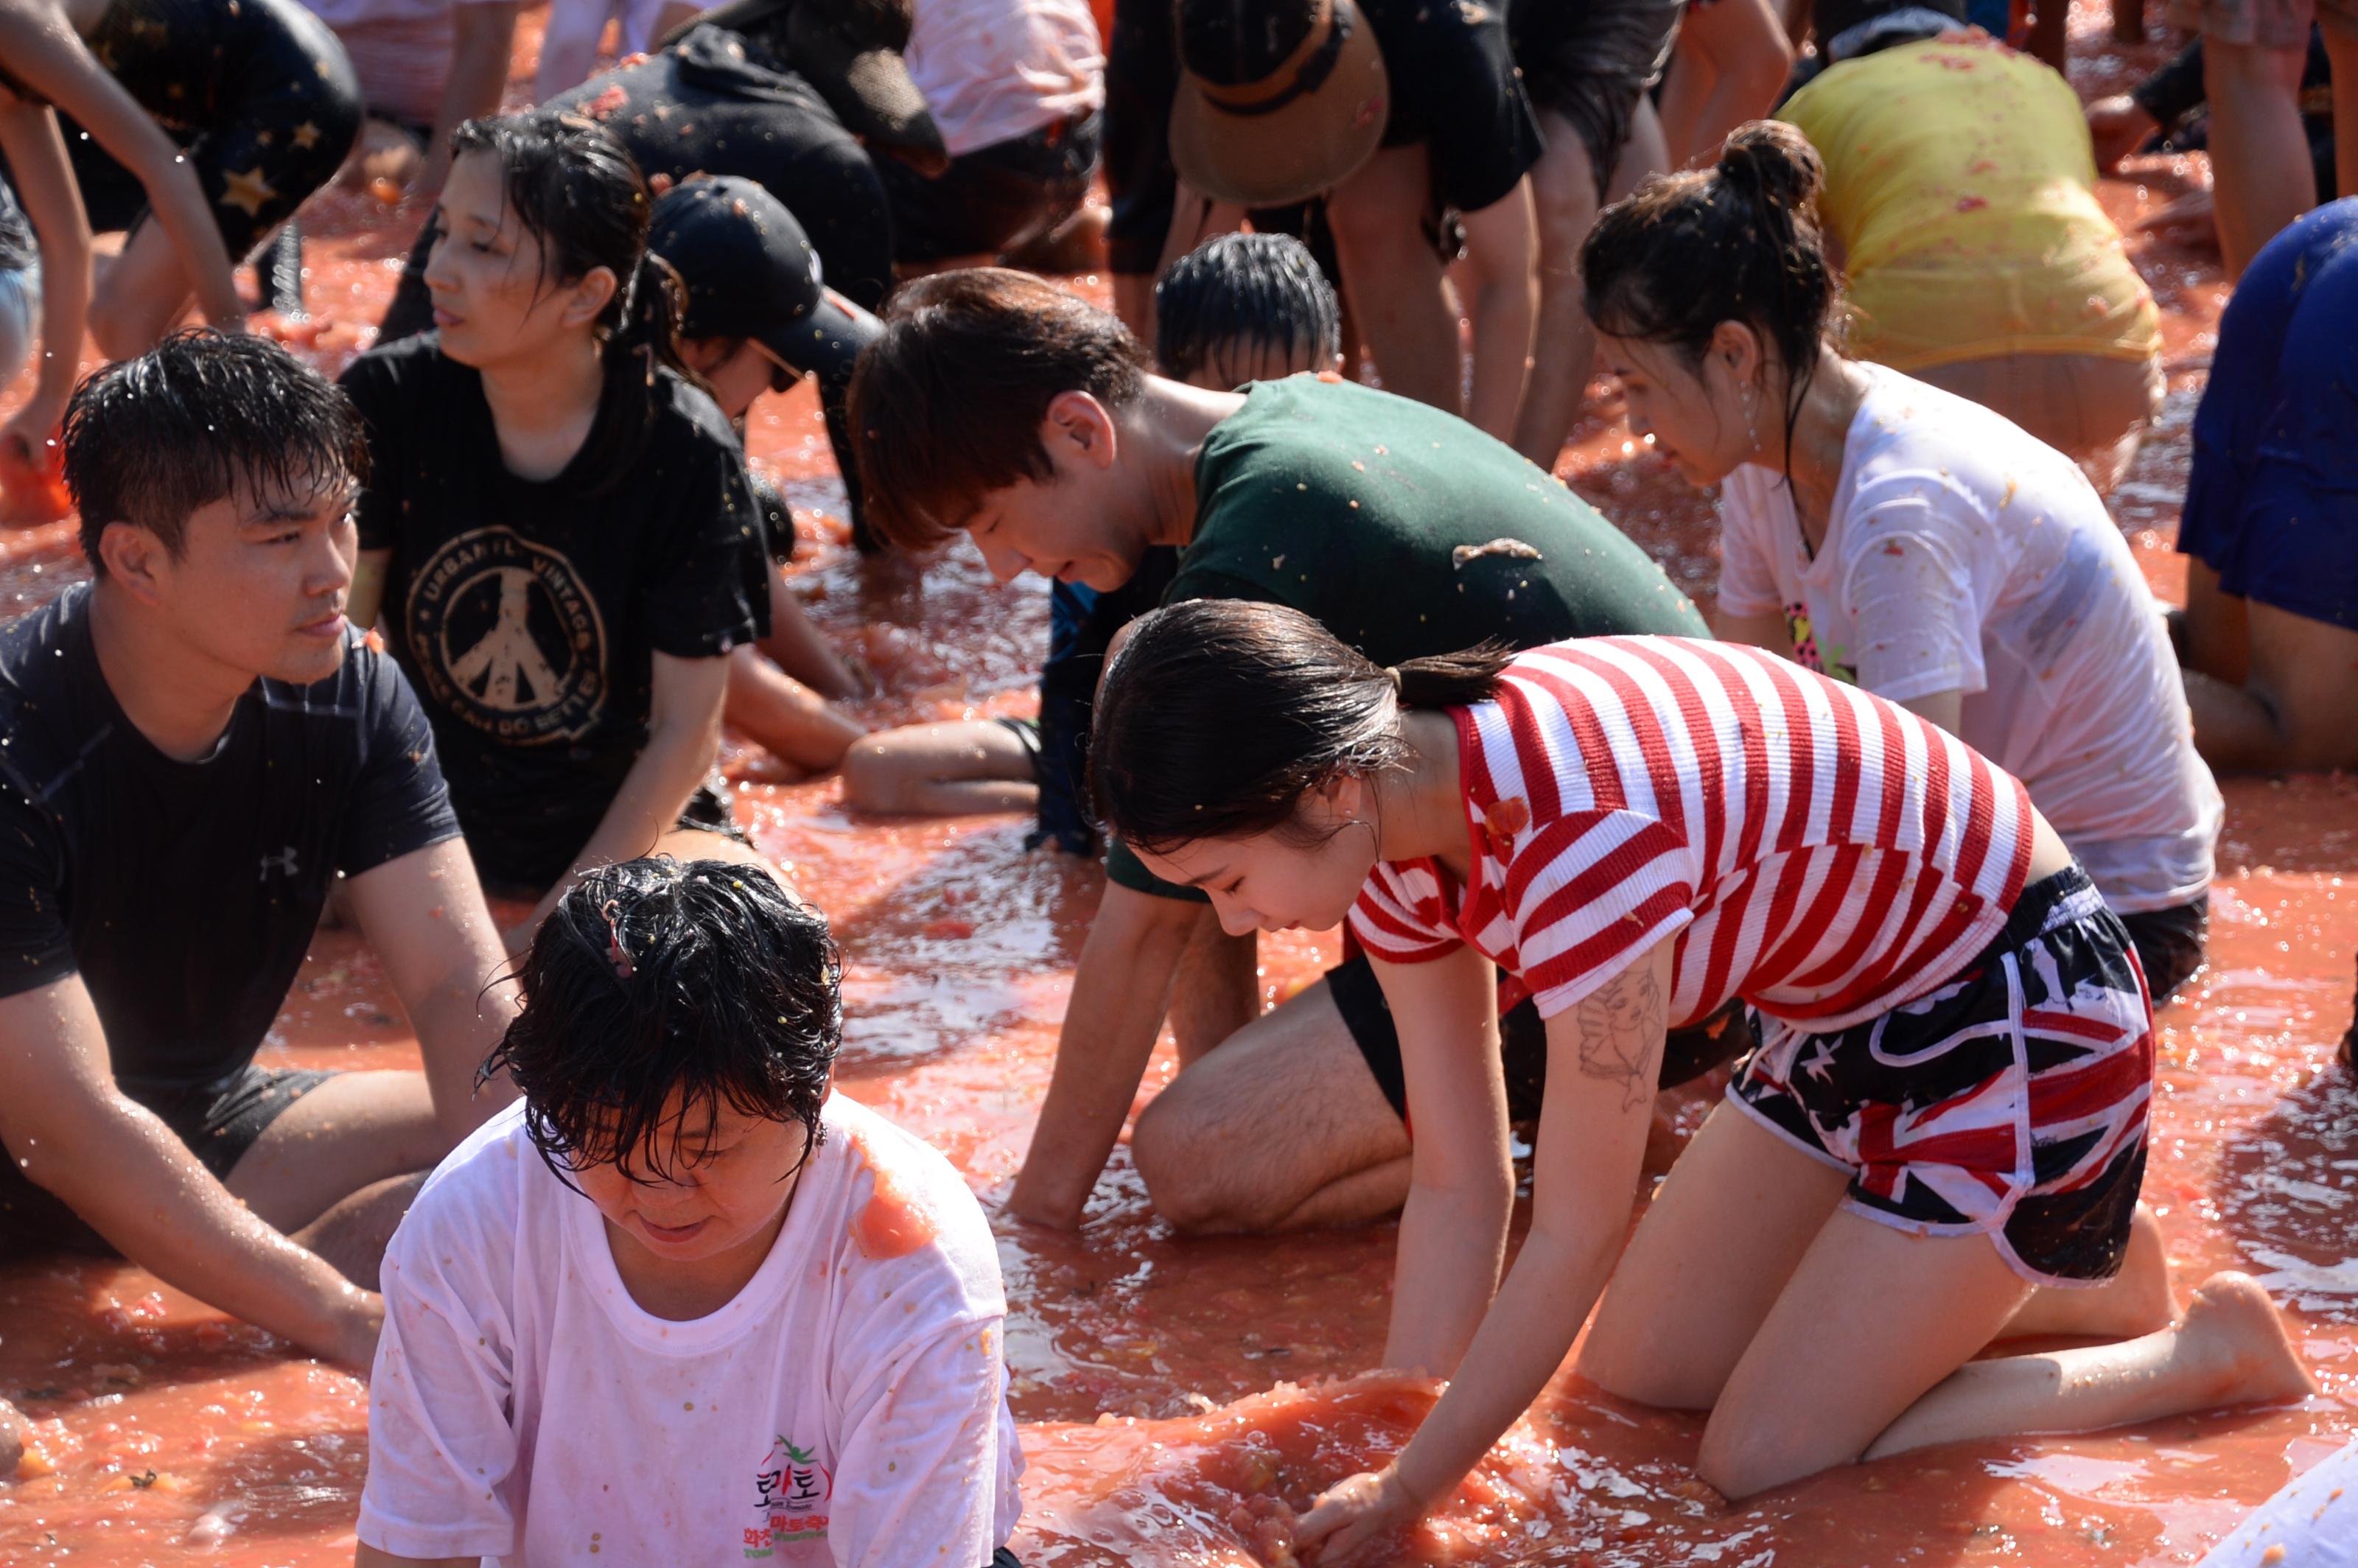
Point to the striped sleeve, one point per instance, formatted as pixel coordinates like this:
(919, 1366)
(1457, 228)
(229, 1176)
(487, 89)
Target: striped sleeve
(1590, 895)
(1400, 916)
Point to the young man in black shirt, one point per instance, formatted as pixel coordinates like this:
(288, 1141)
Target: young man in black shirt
(198, 745)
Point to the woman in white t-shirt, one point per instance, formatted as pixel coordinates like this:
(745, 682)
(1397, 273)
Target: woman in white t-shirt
(1903, 538)
(680, 1305)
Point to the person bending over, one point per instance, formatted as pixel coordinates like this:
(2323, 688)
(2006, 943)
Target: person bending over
(757, 318)
(683, 1304)
(2271, 631)
(200, 747)
(1239, 308)
(1411, 121)
(217, 120)
(424, 68)
(998, 404)
(1902, 539)
(1731, 60)
(1947, 1112)
(556, 533)
(1960, 190)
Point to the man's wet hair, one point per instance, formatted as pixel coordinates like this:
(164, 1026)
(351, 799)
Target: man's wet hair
(202, 416)
(947, 404)
(654, 976)
(1236, 292)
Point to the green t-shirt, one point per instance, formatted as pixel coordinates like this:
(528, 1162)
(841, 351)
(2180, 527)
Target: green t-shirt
(1351, 505)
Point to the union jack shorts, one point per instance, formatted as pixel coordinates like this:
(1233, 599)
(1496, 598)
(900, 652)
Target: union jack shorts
(2010, 1102)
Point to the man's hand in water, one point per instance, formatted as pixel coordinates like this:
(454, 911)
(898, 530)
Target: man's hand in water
(1353, 1518)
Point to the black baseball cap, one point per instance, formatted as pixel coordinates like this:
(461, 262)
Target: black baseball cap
(750, 273)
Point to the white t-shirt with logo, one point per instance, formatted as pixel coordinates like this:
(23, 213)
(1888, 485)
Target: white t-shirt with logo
(841, 1410)
(992, 71)
(1962, 554)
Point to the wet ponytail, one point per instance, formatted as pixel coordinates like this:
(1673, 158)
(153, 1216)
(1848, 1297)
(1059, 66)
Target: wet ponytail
(1218, 715)
(574, 187)
(1738, 242)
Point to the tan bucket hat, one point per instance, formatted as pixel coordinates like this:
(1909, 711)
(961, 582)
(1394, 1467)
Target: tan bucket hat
(1305, 119)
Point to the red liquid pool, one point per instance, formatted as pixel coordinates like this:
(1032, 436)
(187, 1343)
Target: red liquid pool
(1178, 1398)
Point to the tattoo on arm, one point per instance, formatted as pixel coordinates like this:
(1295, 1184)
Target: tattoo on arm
(1621, 1030)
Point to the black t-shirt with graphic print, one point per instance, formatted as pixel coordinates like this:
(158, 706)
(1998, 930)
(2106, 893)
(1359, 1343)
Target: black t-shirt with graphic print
(185, 894)
(527, 613)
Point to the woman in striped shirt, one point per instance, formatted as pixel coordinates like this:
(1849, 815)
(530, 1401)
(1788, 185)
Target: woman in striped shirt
(1945, 1117)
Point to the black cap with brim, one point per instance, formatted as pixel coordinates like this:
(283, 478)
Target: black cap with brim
(750, 272)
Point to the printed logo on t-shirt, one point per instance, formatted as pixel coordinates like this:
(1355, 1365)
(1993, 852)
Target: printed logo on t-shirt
(791, 1489)
(1806, 651)
(508, 639)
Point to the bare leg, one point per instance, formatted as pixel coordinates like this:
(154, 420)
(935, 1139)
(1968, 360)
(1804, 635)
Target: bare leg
(1563, 194)
(1282, 1128)
(354, 1234)
(2137, 1301)
(802, 652)
(1394, 278)
(2341, 52)
(957, 769)
(2296, 707)
(2261, 178)
(13, 1427)
(1729, 63)
(351, 1131)
(140, 295)
(1216, 990)
(2230, 1350)
(2218, 628)
(771, 708)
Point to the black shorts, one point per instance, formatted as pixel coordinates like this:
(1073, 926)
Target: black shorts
(219, 1123)
(2170, 943)
(1591, 62)
(711, 809)
(2011, 1102)
(994, 200)
(1687, 1053)
(258, 93)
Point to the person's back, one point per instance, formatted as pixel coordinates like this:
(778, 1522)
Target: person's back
(1960, 181)
(992, 71)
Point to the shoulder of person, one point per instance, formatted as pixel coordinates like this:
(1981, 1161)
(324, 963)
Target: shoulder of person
(688, 415)
(470, 1204)
(915, 1241)
(36, 652)
(414, 367)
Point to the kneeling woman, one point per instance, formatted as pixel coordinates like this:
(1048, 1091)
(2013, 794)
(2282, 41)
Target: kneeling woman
(1946, 1113)
(557, 524)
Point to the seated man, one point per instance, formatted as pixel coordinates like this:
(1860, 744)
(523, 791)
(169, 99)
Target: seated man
(199, 747)
(1238, 308)
(2271, 631)
(998, 404)
(682, 1298)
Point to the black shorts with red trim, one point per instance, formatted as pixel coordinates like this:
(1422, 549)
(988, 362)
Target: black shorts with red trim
(2011, 1102)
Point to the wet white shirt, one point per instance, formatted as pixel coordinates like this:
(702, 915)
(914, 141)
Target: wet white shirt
(992, 71)
(2313, 1523)
(840, 1410)
(1963, 555)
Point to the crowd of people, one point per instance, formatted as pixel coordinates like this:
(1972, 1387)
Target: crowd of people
(1902, 836)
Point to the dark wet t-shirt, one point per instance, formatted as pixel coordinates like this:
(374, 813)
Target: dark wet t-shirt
(528, 612)
(185, 894)
(1456, 89)
(1406, 532)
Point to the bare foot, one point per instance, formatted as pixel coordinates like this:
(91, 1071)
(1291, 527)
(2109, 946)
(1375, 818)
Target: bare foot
(13, 1427)
(2134, 1302)
(2233, 1327)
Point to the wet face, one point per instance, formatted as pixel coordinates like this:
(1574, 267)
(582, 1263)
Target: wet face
(1305, 879)
(739, 369)
(1086, 524)
(722, 1188)
(260, 583)
(493, 300)
(1702, 417)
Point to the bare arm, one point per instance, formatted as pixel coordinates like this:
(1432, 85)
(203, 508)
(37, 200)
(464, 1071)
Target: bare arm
(1767, 630)
(44, 179)
(1461, 1195)
(1603, 1057)
(49, 58)
(1502, 262)
(481, 37)
(1120, 993)
(117, 1165)
(1945, 708)
(424, 915)
(683, 737)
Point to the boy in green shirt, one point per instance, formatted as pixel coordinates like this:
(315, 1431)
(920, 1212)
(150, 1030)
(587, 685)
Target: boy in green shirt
(997, 404)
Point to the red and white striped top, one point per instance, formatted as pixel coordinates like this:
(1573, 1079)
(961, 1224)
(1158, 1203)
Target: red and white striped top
(1819, 851)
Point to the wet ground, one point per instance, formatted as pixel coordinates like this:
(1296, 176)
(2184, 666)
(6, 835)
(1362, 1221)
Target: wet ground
(1172, 1394)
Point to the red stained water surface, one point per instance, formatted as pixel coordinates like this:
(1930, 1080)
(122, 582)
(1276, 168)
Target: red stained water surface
(1177, 1396)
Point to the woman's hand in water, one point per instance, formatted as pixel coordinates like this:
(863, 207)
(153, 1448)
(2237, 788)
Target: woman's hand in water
(1355, 1515)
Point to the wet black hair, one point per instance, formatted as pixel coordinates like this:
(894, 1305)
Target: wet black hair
(1240, 289)
(150, 440)
(1738, 241)
(653, 976)
(1219, 715)
(574, 187)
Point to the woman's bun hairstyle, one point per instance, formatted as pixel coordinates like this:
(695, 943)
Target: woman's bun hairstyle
(1772, 164)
